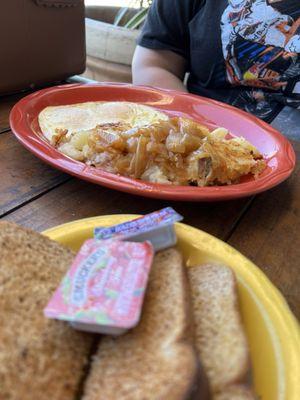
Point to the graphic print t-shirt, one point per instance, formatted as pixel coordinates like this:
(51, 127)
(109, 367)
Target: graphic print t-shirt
(243, 52)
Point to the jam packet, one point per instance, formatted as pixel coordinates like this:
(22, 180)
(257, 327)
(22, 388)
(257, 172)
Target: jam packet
(104, 289)
(157, 227)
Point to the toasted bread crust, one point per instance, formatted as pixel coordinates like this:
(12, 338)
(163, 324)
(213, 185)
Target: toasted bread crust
(39, 358)
(219, 334)
(235, 392)
(156, 360)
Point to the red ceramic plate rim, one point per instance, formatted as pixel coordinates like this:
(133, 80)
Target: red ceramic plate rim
(27, 109)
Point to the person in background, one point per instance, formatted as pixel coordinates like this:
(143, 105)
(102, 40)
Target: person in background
(242, 52)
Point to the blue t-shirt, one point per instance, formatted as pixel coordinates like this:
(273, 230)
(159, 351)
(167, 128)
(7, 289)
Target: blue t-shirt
(243, 52)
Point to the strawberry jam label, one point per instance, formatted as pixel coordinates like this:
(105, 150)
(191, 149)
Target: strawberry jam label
(105, 284)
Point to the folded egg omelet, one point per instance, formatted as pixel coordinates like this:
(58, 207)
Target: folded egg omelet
(76, 118)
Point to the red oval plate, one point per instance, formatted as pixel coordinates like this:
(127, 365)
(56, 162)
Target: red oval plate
(276, 149)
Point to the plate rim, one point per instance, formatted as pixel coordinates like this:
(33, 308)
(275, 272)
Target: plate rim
(42, 149)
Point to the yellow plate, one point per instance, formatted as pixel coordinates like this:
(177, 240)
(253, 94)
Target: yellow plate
(272, 330)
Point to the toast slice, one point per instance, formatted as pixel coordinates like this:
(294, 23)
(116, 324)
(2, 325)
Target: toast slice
(39, 358)
(219, 335)
(235, 392)
(156, 360)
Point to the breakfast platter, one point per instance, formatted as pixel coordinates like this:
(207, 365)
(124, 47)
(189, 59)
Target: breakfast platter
(136, 306)
(154, 143)
(150, 235)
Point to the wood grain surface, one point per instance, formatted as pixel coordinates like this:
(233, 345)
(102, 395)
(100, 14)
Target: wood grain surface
(77, 199)
(23, 176)
(269, 235)
(6, 104)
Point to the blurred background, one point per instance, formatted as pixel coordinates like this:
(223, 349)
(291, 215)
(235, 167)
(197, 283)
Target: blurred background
(50, 41)
(112, 27)
(114, 3)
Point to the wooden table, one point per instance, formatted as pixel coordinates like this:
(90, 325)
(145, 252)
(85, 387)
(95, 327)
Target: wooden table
(265, 228)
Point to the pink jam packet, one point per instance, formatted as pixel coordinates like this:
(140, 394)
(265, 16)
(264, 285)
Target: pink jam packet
(104, 289)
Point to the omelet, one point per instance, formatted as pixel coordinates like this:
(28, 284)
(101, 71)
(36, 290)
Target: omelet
(76, 118)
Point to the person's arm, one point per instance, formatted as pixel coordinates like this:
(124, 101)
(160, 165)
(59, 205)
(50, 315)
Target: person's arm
(160, 68)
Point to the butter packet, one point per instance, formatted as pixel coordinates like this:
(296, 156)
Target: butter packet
(104, 289)
(157, 227)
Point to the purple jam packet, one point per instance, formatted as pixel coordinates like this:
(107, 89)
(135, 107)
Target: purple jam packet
(157, 227)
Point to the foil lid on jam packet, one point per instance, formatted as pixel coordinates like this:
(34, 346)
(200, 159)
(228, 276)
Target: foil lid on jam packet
(104, 289)
(157, 227)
